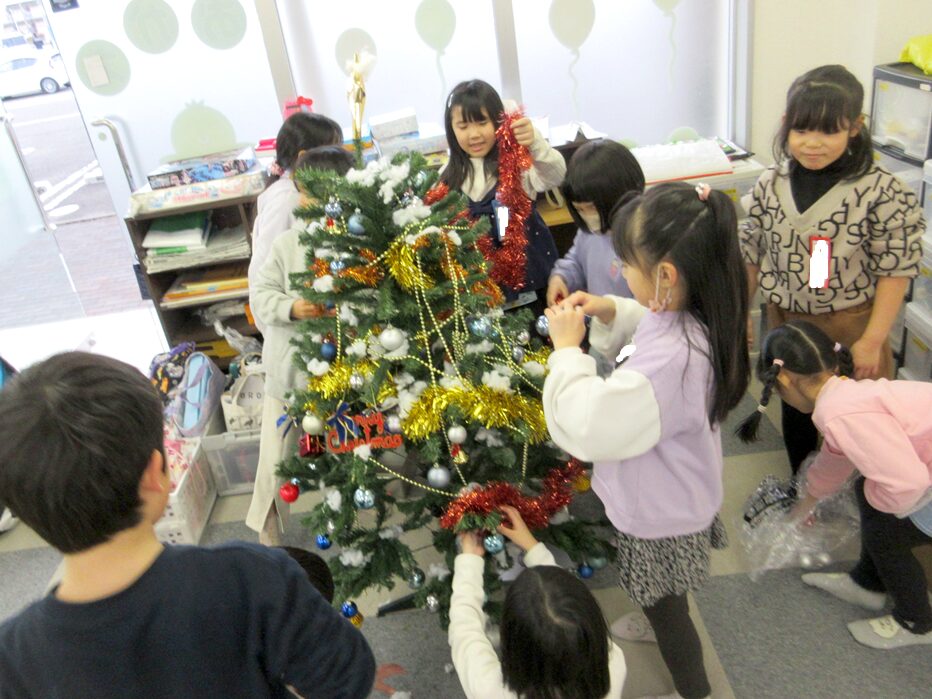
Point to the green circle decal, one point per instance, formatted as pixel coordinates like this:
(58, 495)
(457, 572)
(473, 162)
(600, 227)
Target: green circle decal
(102, 67)
(221, 24)
(199, 130)
(350, 42)
(151, 25)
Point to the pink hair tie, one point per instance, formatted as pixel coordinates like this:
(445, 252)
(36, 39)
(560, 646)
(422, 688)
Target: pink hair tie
(837, 347)
(703, 190)
(778, 362)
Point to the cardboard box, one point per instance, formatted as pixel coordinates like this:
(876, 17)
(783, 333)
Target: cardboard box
(215, 166)
(413, 143)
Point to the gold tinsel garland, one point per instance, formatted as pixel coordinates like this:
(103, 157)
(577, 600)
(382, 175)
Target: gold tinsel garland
(400, 259)
(482, 404)
(336, 381)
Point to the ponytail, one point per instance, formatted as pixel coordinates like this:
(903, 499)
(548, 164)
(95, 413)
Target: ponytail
(747, 430)
(845, 360)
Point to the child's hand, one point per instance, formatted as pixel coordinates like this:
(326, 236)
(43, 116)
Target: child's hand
(866, 355)
(556, 290)
(301, 310)
(470, 543)
(523, 130)
(567, 325)
(598, 306)
(517, 531)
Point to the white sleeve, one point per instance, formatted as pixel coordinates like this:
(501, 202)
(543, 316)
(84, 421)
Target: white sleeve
(547, 171)
(597, 419)
(474, 658)
(539, 555)
(268, 290)
(608, 339)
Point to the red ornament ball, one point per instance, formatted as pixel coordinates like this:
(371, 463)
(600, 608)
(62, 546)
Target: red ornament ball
(289, 492)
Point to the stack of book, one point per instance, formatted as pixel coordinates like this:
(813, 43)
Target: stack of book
(222, 245)
(208, 285)
(175, 234)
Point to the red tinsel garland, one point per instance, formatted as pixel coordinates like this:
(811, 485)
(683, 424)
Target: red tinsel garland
(536, 512)
(509, 261)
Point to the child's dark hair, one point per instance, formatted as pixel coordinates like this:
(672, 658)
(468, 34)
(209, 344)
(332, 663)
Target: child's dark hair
(334, 158)
(318, 572)
(303, 131)
(670, 222)
(555, 641)
(76, 434)
(600, 172)
(827, 99)
(478, 101)
(799, 347)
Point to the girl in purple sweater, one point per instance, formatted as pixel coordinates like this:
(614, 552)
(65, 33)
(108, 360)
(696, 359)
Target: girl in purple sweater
(651, 428)
(597, 176)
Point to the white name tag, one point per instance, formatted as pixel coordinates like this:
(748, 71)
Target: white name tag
(820, 262)
(626, 352)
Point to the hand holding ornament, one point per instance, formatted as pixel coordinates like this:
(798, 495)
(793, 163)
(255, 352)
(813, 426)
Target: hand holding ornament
(516, 529)
(471, 543)
(567, 325)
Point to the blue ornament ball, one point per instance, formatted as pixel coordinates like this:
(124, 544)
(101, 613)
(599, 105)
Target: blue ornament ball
(364, 498)
(585, 570)
(328, 351)
(323, 542)
(349, 609)
(356, 224)
(337, 266)
(480, 326)
(333, 209)
(494, 543)
(542, 326)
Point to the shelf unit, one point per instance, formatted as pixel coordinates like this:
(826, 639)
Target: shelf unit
(180, 324)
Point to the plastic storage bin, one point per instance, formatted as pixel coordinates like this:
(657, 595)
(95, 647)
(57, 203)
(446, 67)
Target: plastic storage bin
(190, 504)
(922, 284)
(901, 113)
(897, 333)
(917, 355)
(907, 171)
(926, 196)
(233, 459)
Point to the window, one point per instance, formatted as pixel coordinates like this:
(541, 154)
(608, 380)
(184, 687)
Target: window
(23, 63)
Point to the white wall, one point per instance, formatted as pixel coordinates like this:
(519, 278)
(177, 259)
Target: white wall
(792, 36)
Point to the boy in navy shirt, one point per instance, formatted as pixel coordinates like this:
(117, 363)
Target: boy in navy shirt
(82, 463)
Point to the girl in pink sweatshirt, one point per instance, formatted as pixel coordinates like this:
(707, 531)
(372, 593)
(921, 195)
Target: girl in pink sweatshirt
(880, 432)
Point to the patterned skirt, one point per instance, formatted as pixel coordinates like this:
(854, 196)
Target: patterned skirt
(650, 569)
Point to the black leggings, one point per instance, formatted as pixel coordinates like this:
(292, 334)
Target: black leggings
(679, 645)
(799, 435)
(887, 564)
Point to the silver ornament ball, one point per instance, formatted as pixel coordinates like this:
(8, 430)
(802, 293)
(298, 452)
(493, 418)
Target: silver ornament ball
(431, 603)
(524, 337)
(480, 326)
(416, 578)
(517, 354)
(542, 326)
(364, 499)
(356, 224)
(331, 526)
(391, 338)
(337, 266)
(312, 424)
(457, 434)
(357, 381)
(494, 543)
(333, 209)
(438, 476)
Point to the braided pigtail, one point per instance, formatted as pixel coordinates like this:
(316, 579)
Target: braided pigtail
(747, 430)
(845, 360)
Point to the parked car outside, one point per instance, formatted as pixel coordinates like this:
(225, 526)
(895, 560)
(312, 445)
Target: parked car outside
(32, 72)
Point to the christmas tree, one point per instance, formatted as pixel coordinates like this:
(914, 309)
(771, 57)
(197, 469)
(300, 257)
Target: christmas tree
(417, 377)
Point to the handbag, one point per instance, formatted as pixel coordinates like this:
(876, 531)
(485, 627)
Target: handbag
(242, 402)
(198, 395)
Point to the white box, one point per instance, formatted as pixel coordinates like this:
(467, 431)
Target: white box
(413, 143)
(190, 504)
(233, 459)
(917, 356)
(393, 124)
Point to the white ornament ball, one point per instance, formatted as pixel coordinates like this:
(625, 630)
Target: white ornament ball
(312, 424)
(457, 434)
(391, 339)
(393, 423)
(438, 476)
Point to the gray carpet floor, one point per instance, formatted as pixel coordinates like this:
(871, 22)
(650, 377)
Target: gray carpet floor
(752, 624)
